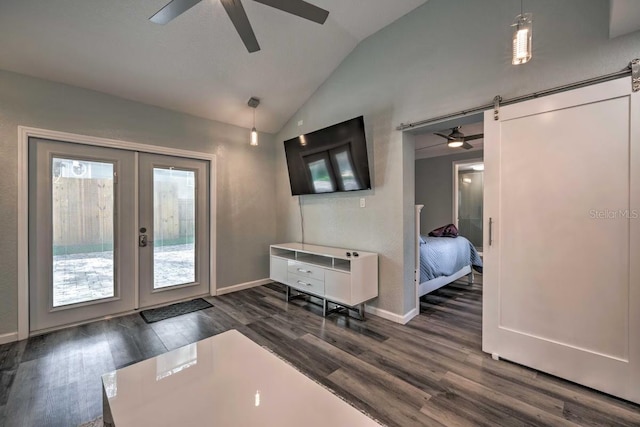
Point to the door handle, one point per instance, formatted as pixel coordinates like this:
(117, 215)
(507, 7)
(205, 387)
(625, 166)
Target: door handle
(490, 231)
(142, 240)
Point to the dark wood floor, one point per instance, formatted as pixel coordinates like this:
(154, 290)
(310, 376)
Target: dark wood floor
(430, 372)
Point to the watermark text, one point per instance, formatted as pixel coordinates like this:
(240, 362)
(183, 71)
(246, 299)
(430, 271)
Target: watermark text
(614, 214)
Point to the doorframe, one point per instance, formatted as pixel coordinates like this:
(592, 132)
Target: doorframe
(24, 133)
(456, 168)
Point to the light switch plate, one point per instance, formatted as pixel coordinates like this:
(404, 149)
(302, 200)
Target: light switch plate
(363, 202)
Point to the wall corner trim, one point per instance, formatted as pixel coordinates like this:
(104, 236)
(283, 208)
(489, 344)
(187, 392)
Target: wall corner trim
(397, 318)
(241, 286)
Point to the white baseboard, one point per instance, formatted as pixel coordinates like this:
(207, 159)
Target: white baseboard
(410, 315)
(241, 286)
(7, 338)
(397, 318)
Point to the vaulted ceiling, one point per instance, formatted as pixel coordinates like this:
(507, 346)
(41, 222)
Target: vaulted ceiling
(195, 64)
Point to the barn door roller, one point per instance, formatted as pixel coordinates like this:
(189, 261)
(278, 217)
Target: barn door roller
(496, 107)
(635, 75)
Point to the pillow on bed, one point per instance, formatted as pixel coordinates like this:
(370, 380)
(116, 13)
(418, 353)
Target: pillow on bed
(449, 230)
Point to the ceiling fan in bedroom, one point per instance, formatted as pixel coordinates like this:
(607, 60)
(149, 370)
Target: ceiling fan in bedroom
(456, 139)
(239, 18)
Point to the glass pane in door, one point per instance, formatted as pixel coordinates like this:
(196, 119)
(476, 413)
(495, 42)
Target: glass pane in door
(174, 216)
(82, 194)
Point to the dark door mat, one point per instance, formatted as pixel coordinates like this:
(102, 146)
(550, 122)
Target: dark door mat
(156, 314)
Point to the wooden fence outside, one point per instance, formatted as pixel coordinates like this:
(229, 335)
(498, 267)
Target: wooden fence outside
(83, 215)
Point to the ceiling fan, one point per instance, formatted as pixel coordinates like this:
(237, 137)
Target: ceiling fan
(238, 16)
(456, 139)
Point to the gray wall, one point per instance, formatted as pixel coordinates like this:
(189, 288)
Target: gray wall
(245, 179)
(434, 188)
(423, 66)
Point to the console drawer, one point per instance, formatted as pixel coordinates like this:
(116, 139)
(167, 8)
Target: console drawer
(306, 270)
(306, 284)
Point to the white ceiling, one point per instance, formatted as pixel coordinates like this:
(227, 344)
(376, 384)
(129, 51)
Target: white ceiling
(197, 63)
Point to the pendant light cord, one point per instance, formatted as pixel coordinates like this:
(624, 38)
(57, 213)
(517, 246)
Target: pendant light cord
(521, 7)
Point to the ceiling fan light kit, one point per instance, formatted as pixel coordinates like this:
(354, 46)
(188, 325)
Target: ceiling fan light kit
(457, 139)
(239, 18)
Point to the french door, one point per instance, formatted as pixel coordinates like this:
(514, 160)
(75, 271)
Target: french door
(173, 229)
(562, 236)
(112, 230)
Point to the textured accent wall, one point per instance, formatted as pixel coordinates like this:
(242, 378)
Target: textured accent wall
(245, 178)
(422, 66)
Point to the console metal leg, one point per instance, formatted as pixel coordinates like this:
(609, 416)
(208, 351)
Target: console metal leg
(361, 311)
(326, 309)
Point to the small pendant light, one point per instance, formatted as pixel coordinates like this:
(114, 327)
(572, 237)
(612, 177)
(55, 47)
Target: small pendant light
(253, 103)
(522, 37)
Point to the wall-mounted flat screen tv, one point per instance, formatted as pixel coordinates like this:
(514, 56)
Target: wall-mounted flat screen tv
(329, 160)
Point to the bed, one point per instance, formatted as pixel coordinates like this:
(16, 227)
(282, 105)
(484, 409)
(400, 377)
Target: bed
(444, 260)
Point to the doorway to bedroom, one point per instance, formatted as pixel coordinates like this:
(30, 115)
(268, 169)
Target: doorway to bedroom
(530, 276)
(449, 183)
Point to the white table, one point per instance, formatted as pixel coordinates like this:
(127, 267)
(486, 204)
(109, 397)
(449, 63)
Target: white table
(225, 380)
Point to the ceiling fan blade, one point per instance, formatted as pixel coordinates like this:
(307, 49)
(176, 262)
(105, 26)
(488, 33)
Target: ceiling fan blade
(466, 145)
(472, 137)
(431, 146)
(447, 137)
(172, 9)
(238, 17)
(299, 8)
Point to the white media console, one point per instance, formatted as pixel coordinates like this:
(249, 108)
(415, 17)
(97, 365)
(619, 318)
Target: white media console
(345, 277)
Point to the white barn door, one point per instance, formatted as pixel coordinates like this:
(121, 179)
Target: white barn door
(562, 270)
